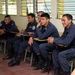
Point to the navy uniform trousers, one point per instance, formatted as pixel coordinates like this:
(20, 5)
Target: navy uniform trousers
(11, 44)
(42, 48)
(58, 58)
(21, 47)
(18, 44)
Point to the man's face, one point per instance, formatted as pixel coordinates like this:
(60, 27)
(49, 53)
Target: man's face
(65, 21)
(39, 16)
(30, 19)
(6, 20)
(44, 21)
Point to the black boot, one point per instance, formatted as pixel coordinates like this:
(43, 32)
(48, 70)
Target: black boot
(67, 73)
(35, 63)
(40, 62)
(56, 71)
(35, 60)
(10, 54)
(15, 61)
(6, 57)
(14, 58)
(46, 66)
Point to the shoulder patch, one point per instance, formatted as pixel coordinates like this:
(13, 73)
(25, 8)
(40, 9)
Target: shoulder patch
(33, 27)
(0, 24)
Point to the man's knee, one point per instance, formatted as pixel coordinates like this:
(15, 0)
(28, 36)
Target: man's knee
(61, 55)
(41, 46)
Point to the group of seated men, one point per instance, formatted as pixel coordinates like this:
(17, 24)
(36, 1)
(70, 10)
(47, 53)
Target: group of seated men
(44, 29)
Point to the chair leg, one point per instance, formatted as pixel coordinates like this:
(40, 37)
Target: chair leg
(0, 47)
(25, 55)
(72, 66)
(4, 48)
(31, 59)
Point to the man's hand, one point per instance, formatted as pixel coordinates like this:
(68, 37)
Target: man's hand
(50, 40)
(39, 24)
(30, 42)
(22, 31)
(30, 33)
(2, 31)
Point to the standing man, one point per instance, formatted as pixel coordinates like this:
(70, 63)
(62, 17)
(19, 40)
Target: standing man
(44, 29)
(7, 26)
(67, 51)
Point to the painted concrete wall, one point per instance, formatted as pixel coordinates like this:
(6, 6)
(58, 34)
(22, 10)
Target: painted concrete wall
(21, 21)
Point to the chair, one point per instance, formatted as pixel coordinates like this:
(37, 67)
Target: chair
(71, 65)
(4, 42)
(25, 56)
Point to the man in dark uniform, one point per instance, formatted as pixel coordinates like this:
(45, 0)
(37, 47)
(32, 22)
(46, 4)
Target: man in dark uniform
(44, 29)
(7, 26)
(39, 13)
(67, 50)
(20, 45)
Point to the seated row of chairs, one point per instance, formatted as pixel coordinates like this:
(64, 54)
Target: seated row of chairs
(31, 57)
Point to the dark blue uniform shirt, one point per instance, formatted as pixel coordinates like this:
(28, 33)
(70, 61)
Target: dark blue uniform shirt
(68, 37)
(10, 27)
(30, 27)
(45, 32)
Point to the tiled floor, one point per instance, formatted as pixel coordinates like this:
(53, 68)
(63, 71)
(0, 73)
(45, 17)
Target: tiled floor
(22, 69)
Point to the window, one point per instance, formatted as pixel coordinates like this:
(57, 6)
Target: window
(2, 7)
(26, 7)
(44, 5)
(65, 6)
(8, 7)
(33, 6)
(12, 7)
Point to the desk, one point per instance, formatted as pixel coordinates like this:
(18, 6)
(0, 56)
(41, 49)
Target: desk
(25, 35)
(37, 39)
(14, 32)
(61, 45)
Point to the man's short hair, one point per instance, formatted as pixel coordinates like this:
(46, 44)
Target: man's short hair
(69, 16)
(46, 15)
(40, 12)
(31, 14)
(8, 16)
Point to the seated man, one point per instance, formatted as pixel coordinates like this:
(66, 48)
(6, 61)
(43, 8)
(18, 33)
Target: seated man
(18, 44)
(44, 29)
(67, 50)
(39, 13)
(7, 26)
